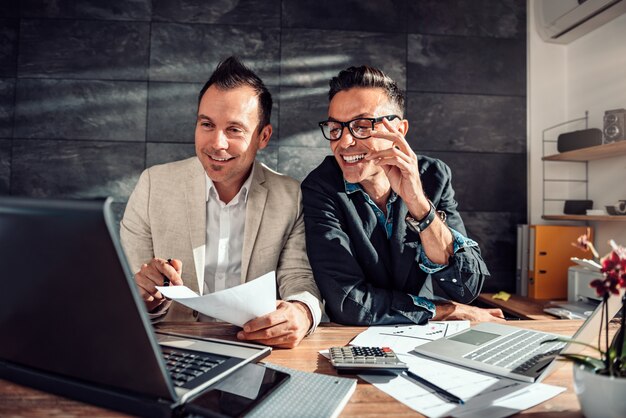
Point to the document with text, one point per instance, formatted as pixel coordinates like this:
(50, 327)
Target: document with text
(236, 305)
(485, 395)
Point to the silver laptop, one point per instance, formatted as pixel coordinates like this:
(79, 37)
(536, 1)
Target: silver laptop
(510, 351)
(72, 321)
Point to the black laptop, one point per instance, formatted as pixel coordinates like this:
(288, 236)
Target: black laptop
(73, 323)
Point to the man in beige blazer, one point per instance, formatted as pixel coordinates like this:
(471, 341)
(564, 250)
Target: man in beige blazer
(224, 217)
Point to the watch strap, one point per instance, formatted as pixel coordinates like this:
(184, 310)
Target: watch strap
(421, 225)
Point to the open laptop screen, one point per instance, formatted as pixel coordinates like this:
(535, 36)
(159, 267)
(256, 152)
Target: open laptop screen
(69, 306)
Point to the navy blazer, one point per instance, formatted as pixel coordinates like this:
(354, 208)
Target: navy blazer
(366, 278)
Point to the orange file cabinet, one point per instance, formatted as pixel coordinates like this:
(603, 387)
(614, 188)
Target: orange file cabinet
(549, 258)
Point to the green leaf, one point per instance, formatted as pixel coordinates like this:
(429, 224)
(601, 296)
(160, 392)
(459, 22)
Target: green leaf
(593, 363)
(618, 338)
(569, 340)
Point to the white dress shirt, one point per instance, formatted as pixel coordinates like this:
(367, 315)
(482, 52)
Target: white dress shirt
(225, 224)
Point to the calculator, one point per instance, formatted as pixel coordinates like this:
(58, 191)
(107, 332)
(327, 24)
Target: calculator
(365, 360)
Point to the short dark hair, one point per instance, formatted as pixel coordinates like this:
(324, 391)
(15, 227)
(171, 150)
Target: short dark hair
(230, 74)
(367, 77)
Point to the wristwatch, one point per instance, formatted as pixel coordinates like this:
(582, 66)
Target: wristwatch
(420, 225)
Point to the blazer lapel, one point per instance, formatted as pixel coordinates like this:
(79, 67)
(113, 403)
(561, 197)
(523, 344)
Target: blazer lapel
(255, 206)
(196, 215)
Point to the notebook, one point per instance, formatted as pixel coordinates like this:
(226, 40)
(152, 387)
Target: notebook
(510, 351)
(326, 396)
(72, 321)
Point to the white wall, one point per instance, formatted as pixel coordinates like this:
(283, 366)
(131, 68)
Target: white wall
(564, 81)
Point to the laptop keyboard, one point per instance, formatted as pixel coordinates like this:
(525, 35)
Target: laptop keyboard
(186, 366)
(518, 352)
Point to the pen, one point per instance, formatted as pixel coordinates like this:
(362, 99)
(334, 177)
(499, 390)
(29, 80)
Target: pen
(166, 280)
(437, 390)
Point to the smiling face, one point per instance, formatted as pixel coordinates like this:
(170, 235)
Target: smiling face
(349, 152)
(227, 137)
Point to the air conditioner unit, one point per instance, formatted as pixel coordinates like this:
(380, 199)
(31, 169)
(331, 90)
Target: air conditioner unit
(563, 21)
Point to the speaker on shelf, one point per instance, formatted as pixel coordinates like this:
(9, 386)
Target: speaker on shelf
(614, 121)
(579, 139)
(577, 207)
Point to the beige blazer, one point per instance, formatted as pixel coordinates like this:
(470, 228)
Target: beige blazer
(166, 217)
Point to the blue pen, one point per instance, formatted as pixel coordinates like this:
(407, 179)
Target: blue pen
(442, 393)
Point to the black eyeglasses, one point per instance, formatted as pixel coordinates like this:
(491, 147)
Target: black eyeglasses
(360, 128)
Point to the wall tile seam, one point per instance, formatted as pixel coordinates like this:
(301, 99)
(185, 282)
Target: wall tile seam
(128, 80)
(260, 27)
(519, 96)
(81, 19)
(184, 22)
(426, 152)
(304, 28)
(307, 28)
(454, 35)
(88, 140)
(148, 80)
(65, 78)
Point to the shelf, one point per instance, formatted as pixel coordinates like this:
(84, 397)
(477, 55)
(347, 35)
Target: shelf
(584, 218)
(590, 153)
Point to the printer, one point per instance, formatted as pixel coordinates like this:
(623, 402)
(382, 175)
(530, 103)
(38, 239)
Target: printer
(581, 298)
(578, 279)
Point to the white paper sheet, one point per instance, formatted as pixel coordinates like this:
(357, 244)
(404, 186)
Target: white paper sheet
(236, 305)
(404, 338)
(485, 395)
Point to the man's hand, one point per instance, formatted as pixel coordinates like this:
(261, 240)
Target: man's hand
(284, 328)
(152, 274)
(400, 165)
(458, 311)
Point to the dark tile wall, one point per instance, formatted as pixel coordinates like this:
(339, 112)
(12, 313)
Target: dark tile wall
(94, 91)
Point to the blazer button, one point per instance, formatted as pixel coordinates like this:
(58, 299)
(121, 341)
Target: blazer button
(195, 314)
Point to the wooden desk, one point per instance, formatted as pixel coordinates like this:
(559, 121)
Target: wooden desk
(519, 306)
(367, 401)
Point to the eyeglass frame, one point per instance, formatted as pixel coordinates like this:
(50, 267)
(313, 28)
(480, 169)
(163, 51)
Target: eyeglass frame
(374, 121)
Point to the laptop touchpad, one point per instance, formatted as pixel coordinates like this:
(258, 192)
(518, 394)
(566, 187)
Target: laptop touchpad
(474, 337)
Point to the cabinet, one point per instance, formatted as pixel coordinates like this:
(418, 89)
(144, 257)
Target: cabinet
(585, 155)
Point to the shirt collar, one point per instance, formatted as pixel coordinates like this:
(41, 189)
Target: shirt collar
(355, 187)
(352, 187)
(242, 195)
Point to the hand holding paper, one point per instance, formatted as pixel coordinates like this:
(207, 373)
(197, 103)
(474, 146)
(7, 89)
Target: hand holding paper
(236, 305)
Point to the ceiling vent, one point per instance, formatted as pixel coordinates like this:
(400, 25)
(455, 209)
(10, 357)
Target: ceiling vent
(563, 21)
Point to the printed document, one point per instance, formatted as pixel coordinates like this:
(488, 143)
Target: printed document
(404, 338)
(236, 305)
(485, 395)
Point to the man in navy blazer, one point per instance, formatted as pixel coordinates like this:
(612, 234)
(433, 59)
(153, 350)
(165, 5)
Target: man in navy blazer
(383, 235)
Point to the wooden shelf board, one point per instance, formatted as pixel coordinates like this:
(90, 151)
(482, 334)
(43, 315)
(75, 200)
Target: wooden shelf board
(591, 153)
(584, 218)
